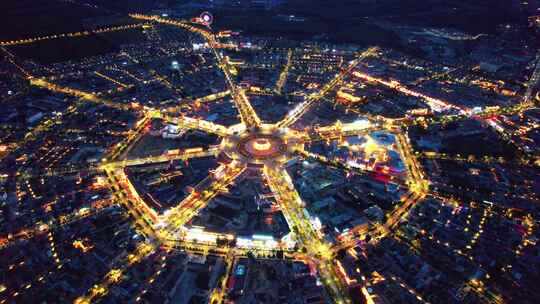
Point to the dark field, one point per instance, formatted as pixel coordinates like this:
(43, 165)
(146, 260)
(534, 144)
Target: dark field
(345, 21)
(63, 49)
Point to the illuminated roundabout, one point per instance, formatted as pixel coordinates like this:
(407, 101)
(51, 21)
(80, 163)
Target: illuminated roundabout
(264, 145)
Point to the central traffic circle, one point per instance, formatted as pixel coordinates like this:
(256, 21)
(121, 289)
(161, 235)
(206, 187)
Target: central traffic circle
(265, 145)
(261, 146)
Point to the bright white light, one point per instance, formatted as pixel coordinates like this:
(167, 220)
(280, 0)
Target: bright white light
(263, 237)
(316, 222)
(198, 234)
(288, 240)
(243, 242)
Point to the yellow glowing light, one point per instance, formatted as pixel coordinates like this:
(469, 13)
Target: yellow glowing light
(262, 144)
